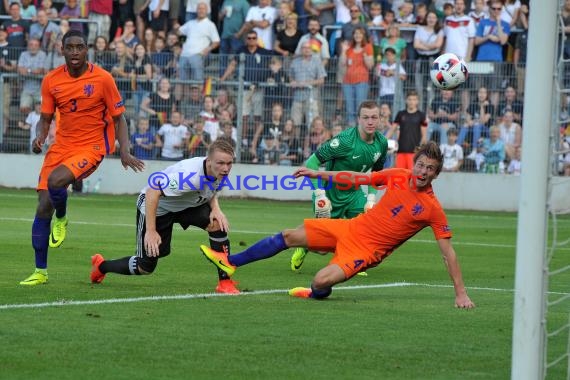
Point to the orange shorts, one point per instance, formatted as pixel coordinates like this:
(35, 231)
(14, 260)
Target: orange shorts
(81, 163)
(333, 235)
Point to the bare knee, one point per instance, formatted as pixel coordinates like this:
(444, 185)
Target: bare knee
(295, 237)
(45, 208)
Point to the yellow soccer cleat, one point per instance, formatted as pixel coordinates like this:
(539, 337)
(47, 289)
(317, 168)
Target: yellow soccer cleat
(363, 274)
(298, 258)
(39, 277)
(219, 259)
(301, 292)
(58, 231)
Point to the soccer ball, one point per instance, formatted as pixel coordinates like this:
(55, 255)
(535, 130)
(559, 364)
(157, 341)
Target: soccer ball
(448, 71)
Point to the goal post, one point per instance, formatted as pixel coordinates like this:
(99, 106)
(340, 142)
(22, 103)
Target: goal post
(531, 271)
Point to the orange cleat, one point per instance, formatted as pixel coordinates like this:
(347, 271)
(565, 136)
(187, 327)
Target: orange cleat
(96, 276)
(227, 287)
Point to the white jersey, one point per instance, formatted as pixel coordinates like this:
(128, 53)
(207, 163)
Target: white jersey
(265, 36)
(187, 186)
(451, 155)
(458, 30)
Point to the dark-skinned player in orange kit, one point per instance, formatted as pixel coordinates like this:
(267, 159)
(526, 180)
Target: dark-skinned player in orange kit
(90, 110)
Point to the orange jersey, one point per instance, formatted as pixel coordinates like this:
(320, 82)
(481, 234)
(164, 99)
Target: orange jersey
(400, 214)
(86, 108)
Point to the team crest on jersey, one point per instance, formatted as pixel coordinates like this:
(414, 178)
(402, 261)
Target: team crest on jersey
(417, 209)
(88, 89)
(173, 184)
(335, 143)
(376, 156)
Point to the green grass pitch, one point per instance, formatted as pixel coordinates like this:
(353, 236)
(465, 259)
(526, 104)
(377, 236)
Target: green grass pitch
(170, 325)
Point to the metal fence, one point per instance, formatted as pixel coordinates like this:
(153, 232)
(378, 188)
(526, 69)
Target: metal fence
(263, 99)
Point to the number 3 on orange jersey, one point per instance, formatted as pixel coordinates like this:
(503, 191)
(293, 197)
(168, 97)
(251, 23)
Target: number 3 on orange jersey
(73, 105)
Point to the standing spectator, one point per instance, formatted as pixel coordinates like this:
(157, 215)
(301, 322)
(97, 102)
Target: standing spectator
(289, 138)
(410, 125)
(260, 18)
(510, 12)
(140, 10)
(232, 17)
(477, 122)
(129, 38)
(356, 20)
(389, 73)
(158, 105)
(492, 33)
(201, 38)
(31, 123)
(17, 28)
(28, 10)
(459, 30)
(287, 40)
(375, 19)
(421, 14)
(71, 9)
(141, 75)
(100, 12)
(175, 137)
(31, 68)
(158, 15)
(256, 64)
(394, 41)
(511, 103)
(452, 152)
(511, 134)
(307, 74)
(149, 37)
(199, 140)
(285, 9)
(47, 6)
(428, 41)
(142, 141)
(192, 9)
(228, 133)
(44, 30)
(478, 12)
(323, 10)
(318, 43)
(443, 115)
(357, 57)
(520, 53)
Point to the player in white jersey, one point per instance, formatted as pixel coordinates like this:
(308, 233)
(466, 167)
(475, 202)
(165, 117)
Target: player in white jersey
(184, 193)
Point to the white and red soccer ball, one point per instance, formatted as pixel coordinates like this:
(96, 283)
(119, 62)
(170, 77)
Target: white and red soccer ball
(448, 72)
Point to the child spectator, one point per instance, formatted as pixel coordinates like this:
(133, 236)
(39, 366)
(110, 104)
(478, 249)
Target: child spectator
(199, 141)
(31, 122)
(51, 12)
(229, 133)
(389, 73)
(211, 122)
(492, 152)
(175, 137)
(452, 152)
(142, 141)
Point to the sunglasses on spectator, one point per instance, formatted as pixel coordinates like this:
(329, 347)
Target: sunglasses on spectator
(252, 38)
(497, 9)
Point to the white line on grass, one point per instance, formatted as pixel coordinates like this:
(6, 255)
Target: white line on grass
(211, 295)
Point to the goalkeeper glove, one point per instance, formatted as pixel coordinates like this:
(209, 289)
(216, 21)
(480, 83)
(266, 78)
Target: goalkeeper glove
(370, 202)
(322, 204)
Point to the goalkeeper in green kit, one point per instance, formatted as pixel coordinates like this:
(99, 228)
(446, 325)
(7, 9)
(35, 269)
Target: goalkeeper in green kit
(359, 149)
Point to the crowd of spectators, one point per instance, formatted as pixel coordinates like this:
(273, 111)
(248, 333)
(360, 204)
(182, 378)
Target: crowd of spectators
(305, 67)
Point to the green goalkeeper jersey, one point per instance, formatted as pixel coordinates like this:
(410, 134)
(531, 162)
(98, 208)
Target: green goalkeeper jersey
(348, 152)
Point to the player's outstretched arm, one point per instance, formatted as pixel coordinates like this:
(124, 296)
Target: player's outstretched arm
(336, 176)
(462, 300)
(127, 159)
